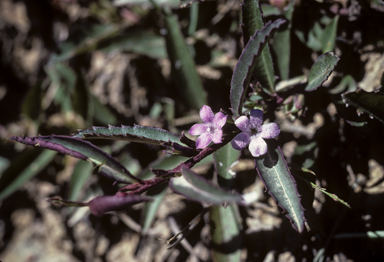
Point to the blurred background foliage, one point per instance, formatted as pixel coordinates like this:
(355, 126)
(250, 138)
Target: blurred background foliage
(70, 64)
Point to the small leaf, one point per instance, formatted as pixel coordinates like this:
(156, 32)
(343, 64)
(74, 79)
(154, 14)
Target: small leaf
(103, 204)
(321, 70)
(140, 134)
(84, 150)
(348, 82)
(22, 169)
(371, 103)
(197, 188)
(329, 35)
(247, 62)
(280, 184)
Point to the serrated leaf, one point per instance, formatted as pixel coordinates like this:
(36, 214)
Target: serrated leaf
(197, 188)
(252, 22)
(23, 168)
(84, 150)
(226, 237)
(321, 70)
(247, 62)
(140, 134)
(183, 65)
(280, 184)
(371, 103)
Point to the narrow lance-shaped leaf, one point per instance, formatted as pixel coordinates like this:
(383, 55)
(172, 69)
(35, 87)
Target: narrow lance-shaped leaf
(247, 62)
(253, 21)
(197, 188)
(103, 204)
(23, 168)
(321, 70)
(84, 150)
(282, 43)
(371, 103)
(157, 193)
(328, 38)
(140, 134)
(280, 184)
(183, 66)
(226, 237)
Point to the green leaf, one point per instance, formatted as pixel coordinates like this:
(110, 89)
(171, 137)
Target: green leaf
(197, 188)
(183, 66)
(247, 62)
(348, 82)
(280, 184)
(158, 193)
(171, 3)
(84, 150)
(371, 103)
(140, 134)
(145, 43)
(226, 238)
(81, 173)
(86, 40)
(102, 113)
(22, 169)
(224, 158)
(252, 22)
(329, 35)
(31, 106)
(82, 101)
(282, 43)
(321, 70)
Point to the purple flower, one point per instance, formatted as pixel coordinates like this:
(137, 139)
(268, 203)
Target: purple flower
(210, 131)
(254, 132)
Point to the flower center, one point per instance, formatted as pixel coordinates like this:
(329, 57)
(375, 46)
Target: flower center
(210, 129)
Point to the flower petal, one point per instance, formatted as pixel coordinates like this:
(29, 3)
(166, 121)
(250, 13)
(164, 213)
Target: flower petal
(240, 141)
(258, 147)
(242, 123)
(203, 140)
(256, 118)
(206, 114)
(198, 129)
(270, 130)
(216, 138)
(220, 120)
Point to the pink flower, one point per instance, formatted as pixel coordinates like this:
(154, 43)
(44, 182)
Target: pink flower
(254, 133)
(210, 131)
